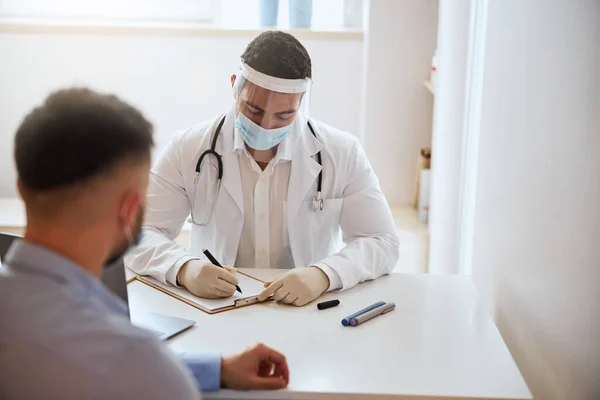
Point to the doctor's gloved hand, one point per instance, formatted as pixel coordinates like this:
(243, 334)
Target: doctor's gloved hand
(299, 286)
(207, 280)
(259, 367)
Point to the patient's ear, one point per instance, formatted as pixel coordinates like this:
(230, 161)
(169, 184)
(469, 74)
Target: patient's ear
(22, 190)
(232, 79)
(130, 206)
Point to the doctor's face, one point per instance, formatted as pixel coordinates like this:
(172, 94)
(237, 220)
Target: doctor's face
(266, 108)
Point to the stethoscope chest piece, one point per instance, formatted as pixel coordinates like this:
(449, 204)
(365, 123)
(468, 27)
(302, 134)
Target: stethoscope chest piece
(317, 202)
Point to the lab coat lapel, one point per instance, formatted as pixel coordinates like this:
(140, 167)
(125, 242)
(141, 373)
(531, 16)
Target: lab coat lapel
(305, 169)
(231, 182)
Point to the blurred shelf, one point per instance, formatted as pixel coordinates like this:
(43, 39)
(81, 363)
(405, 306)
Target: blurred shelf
(429, 86)
(28, 25)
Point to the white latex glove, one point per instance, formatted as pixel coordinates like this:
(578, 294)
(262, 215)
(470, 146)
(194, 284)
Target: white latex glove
(207, 280)
(299, 286)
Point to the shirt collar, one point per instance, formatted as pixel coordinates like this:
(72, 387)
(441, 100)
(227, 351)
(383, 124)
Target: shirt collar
(30, 258)
(238, 142)
(284, 151)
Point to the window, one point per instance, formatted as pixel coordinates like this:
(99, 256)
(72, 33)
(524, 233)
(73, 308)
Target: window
(188, 11)
(227, 14)
(326, 14)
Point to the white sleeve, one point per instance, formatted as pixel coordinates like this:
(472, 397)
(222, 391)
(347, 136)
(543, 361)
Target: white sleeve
(167, 207)
(369, 231)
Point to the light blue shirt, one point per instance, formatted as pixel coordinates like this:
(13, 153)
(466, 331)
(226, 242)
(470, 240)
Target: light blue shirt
(63, 335)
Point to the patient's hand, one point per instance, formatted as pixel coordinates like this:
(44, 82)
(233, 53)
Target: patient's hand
(259, 367)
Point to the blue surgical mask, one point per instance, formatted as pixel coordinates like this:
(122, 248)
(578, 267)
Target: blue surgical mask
(257, 137)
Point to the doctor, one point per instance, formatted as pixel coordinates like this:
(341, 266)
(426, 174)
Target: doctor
(265, 186)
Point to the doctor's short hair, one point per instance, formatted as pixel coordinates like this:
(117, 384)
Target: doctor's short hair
(76, 135)
(278, 54)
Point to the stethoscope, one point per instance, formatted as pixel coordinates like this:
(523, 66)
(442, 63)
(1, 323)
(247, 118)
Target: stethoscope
(317, 201)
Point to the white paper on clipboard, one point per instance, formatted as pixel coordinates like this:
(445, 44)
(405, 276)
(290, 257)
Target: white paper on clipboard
(250, 288)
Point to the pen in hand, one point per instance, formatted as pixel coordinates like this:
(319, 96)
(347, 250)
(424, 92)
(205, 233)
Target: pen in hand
(218, 264)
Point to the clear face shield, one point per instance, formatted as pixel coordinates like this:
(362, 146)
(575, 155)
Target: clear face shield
(268, 109)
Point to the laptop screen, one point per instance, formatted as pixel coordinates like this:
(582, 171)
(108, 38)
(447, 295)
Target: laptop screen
(113, 277)
(6, 240)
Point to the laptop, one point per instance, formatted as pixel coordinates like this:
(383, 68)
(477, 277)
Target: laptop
(163, 326)
(6, 240)
(113, 277)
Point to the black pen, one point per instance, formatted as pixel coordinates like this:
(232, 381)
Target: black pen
(215, 262)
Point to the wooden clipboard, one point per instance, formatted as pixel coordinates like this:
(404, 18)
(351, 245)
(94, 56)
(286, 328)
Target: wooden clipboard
(238, 303)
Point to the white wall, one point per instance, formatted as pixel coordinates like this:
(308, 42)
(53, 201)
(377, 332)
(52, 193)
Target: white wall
(448, 127)
(536, 254)
(397, 108)
(175, 81)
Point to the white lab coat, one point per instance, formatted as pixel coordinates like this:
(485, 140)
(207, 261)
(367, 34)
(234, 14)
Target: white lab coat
(354, 234)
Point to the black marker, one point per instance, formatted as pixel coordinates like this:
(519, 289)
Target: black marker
(328, 304)
(215, 262)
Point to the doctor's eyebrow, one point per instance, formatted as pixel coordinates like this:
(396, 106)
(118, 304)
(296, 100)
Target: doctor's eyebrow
(250, 104)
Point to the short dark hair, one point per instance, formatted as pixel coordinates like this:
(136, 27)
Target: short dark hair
(278, 54)
(77, 134)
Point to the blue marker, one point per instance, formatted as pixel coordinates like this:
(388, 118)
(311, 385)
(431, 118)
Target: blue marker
(346, 321)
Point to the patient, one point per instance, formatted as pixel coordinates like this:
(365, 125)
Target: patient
(83, 160)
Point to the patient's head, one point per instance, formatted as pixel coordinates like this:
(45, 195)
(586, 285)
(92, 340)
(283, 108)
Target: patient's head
(82, 160)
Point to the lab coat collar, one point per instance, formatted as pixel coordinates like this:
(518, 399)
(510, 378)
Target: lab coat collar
(232, 181)
(305, 168)
(307, 141)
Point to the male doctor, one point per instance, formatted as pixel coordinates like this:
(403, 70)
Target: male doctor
(265, 186)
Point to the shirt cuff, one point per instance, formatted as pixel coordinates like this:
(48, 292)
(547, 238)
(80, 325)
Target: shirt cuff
(205, 368)
(335, 282)
(171, 275)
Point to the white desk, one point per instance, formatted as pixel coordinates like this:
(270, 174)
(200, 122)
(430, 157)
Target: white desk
(439, 343)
